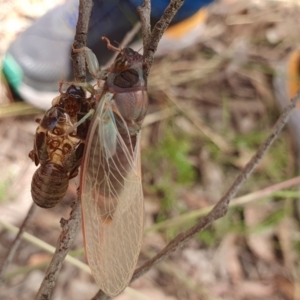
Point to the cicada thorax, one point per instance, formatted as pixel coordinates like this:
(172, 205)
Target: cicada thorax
(58, 148)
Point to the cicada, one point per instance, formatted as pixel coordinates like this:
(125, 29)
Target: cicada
(58, 148)
(110, 178)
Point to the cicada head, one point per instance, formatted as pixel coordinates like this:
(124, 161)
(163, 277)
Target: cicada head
(127, 59)
(127, 72)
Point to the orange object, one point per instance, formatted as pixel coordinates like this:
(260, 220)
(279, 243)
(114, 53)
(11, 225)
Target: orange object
(293, 70)
(180, 29)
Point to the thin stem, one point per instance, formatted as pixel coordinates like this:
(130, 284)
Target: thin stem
(78, 58)
(144, 12)
(70, 227)
(70, 230)
(151, 39)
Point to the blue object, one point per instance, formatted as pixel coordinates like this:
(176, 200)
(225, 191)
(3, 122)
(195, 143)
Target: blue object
(188, 8)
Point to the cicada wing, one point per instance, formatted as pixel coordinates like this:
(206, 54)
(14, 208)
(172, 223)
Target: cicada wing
(112, 201)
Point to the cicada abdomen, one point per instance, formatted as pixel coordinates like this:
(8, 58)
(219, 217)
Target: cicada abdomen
(57, 148)
(110, 180)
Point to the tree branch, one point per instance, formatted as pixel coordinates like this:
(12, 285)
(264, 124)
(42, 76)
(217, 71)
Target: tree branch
(70, 230)
(152, 38)
(70, 227)
(78, 58)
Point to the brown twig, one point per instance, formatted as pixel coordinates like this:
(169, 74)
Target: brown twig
(152, 38)
(15, 244)
(70, 227)
(144, 12)
(69, 232)
(78, 58)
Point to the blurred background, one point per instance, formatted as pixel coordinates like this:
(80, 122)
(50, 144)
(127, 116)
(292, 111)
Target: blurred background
(211, 106)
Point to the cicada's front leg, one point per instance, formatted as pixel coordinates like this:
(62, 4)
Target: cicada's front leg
(92, 63)
(73, 161)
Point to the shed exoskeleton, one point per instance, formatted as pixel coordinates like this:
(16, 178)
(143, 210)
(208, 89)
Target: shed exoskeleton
(59, 146)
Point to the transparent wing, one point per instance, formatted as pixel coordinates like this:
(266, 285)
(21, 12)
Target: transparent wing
(112, 199)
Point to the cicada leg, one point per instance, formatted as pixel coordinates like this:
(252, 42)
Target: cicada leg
(33, 156)
(73, 161)
(41, 147)
(81, 121)
(92, 63)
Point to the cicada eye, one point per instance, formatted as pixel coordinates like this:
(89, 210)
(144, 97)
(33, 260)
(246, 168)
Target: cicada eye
(125, 58)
